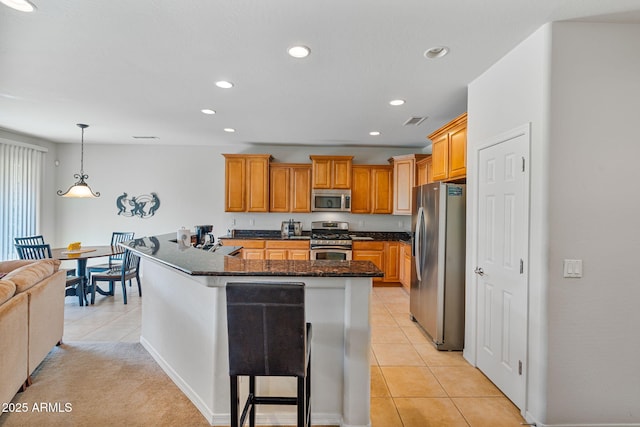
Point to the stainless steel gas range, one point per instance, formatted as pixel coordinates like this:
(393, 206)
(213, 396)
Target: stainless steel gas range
(330, 240)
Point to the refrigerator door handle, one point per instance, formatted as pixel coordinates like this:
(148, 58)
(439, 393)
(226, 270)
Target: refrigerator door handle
(417, 243)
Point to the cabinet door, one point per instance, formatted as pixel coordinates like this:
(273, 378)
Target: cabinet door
(440, 157)
(278, 254)
(424, 171)
(279, 194)
(404, 263)
(382, 190)
(404, 178)
(391, 262)
(258, 184)
(299, 254)
(321, 173)
(376, 257)
(341, 174)
(235, 185)
(252, 253)
(361, 191)
(458, 151)
(300, 189)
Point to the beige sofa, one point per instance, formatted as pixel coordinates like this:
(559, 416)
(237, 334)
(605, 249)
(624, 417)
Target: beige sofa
(31, 319)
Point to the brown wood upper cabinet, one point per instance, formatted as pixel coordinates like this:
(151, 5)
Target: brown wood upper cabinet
(404, 179)
(372, 189)
(290, 187)
(331, 171)
(246, 182)
(424, 170)
(449, 150)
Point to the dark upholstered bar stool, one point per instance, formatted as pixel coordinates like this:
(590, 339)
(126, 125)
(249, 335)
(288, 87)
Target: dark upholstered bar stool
(268, 336)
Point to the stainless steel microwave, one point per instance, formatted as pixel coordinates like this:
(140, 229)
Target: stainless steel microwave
(331, 200)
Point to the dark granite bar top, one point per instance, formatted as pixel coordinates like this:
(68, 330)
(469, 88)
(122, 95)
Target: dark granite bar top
(198, 262)
(387, 236)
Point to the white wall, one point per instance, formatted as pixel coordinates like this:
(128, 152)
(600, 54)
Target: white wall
(594, 342)
(190, 184)
(508, 95)
(577, 84)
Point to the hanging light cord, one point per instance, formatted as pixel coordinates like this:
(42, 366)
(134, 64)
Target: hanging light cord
(82, 155)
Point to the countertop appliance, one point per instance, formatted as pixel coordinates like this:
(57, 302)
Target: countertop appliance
(290, 228)
(204, 235)
(437, 283)
(330, 200)
(330, 240)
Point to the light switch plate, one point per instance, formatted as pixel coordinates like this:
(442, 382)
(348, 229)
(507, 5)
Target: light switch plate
(572, 268)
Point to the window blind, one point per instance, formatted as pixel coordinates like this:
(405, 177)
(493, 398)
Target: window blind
(21, 170)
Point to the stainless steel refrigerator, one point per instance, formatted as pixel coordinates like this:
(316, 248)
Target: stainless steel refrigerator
(437, 282)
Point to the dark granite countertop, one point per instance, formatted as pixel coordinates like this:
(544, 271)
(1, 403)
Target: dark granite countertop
(387, 236)
(198, 262)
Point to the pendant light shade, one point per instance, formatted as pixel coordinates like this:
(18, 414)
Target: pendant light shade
(80, 189)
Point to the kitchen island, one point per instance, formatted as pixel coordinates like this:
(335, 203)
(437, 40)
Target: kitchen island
(184, 328)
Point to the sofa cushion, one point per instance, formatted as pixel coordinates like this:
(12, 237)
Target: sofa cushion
(28, 275)
(9, 266)
(7, 290)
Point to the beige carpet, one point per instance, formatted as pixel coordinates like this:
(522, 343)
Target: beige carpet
(102, 384)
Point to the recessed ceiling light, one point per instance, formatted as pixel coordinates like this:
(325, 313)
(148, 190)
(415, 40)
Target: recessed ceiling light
(21, 5)
(208, 111)
(230, 130)
(396, 102)
(436, 52)
(224, 84)
(374, 133)
(299, 51)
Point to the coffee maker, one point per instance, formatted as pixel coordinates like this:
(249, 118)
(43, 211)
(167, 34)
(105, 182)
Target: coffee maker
(203, 234)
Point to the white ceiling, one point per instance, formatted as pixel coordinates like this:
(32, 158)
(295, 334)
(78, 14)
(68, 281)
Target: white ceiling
(147, 67)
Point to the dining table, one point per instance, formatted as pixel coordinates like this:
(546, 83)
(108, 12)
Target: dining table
(81, 256)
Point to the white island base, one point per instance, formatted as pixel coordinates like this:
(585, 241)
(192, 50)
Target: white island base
(184, 328)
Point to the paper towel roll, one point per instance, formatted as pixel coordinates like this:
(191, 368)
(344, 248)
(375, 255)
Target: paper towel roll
(184, 237)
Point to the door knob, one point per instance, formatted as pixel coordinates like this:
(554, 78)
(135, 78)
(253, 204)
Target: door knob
(479, 271)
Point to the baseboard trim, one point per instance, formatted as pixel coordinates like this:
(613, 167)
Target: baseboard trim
(225, 418)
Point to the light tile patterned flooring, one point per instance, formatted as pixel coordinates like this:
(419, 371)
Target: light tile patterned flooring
(412, 384)
(415, 385)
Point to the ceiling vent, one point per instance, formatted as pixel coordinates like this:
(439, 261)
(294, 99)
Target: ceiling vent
(414, 121)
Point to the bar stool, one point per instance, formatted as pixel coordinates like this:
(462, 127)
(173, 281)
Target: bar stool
(268, 336)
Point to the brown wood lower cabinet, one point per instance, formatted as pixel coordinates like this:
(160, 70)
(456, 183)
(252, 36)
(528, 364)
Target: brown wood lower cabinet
(287, 250)
(370, 251)
(405, 265)
(251, 248)
(271, 249)
(391, 262)
(385, 255)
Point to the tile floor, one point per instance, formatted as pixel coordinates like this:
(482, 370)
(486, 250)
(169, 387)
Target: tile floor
(412, 384)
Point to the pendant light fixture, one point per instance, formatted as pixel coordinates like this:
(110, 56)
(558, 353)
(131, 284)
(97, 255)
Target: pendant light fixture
(80, 188)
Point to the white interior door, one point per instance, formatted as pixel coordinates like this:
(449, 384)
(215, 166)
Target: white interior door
(501, 272)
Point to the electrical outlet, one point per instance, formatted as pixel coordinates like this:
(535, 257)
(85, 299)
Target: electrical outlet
(252, 222)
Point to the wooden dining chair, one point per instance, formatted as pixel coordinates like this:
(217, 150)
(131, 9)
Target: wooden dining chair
(128, 270)
(114, 260)
(38, 240)
(74, 285)
(29, 240)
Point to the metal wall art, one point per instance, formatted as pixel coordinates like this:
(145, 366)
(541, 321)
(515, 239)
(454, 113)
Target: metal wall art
(143, 206)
